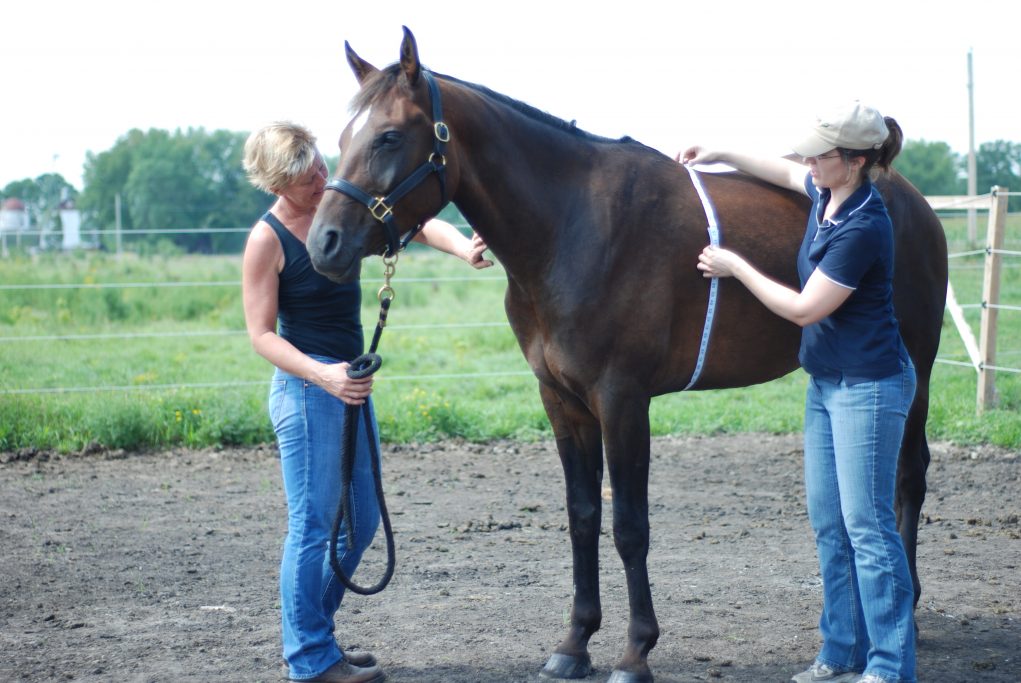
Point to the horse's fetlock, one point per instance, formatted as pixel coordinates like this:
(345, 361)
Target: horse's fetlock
(586, 622)
(643, 635)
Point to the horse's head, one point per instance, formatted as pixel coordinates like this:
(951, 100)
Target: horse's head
(392, 173)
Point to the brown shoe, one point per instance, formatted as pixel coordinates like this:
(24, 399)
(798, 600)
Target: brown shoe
(359, 659)
(362, 660)
(345, 672)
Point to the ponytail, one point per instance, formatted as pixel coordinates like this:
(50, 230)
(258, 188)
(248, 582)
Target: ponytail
(891, 146)
(882, 157)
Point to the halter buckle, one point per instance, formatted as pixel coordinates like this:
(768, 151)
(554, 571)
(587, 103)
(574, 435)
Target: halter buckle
(441, 131)
(380, 211)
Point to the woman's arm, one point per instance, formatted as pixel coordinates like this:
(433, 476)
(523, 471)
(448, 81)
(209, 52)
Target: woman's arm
(820, 297)
(776, 170)
(445, 237)
(260, 283)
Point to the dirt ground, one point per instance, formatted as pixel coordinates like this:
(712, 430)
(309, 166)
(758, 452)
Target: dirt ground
(163, 566)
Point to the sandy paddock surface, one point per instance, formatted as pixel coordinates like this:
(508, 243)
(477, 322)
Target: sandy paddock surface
(163, 566)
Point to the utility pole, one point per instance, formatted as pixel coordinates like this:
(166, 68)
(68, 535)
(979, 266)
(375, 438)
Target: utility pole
(972, 180)
(117, 222)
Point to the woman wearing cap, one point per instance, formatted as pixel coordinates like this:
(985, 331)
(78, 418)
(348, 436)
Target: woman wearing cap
(860, 387)
(310, 328)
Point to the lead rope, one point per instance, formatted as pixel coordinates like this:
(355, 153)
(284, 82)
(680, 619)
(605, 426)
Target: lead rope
(361, 367)
(714, 240)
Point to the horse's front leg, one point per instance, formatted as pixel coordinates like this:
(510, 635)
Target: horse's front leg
(580, 446)
(625, 422)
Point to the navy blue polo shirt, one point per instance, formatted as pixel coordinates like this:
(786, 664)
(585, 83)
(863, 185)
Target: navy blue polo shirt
(860, 341)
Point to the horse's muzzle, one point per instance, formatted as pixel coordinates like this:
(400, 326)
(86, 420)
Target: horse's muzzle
(335, 258)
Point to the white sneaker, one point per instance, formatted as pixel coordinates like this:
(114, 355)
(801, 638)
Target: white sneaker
(823, 672)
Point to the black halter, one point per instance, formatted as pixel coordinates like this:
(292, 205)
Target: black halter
(382, 207)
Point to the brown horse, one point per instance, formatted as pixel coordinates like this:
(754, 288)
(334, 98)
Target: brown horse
(599, 239)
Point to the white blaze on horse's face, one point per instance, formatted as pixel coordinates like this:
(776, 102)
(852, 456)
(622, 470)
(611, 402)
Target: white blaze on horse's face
(353, 128)
(359, 122)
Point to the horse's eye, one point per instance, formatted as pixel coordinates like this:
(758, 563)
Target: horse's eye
(391, 138)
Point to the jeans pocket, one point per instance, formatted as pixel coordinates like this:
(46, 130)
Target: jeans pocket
(278, 399)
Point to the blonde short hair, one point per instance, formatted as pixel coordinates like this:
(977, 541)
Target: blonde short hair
(278, 154)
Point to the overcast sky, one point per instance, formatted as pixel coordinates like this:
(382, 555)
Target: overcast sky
(78, 75)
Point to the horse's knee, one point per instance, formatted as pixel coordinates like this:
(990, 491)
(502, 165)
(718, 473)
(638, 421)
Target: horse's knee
(585, 518)
(631, 538)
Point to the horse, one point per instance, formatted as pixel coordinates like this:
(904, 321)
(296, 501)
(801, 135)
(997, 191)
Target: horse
(599, 239)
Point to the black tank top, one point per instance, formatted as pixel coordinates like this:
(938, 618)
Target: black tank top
(315, 314)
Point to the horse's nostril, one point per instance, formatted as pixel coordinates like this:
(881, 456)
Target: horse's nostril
(331, 243)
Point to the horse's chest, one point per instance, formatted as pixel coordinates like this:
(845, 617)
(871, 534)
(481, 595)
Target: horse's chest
(554, 351)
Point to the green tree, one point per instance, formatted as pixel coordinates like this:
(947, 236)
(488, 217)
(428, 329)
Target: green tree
(104, 176)
(932, 167)
(239, 204)
(999, 163)
(184, 180)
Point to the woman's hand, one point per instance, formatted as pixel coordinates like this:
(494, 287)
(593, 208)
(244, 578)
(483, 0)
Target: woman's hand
(718, 262)
(473, 254)
(441, 235)
(333, 378)
(696, 154)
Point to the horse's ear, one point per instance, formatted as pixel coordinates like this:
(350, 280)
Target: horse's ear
(409, 57)
(361, 67)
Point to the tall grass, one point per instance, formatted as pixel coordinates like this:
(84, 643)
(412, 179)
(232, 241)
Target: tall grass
(177, 368)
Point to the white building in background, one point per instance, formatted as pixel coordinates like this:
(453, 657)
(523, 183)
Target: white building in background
(13, 217)
(71, 224)
(13, 220)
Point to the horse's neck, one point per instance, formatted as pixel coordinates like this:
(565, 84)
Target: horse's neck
(518, 180)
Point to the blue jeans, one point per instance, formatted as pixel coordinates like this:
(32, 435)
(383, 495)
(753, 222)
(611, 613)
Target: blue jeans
(852, 441)
(308, 423)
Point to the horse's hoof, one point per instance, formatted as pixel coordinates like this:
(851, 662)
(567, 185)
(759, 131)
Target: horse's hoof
(621, 676)
(567, 666)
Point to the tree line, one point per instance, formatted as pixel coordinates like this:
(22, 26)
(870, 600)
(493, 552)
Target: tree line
(193, 179)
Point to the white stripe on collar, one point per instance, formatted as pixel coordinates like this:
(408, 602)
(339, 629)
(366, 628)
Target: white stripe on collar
(850, 213)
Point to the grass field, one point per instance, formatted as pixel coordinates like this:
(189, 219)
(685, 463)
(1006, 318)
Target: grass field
(165, 361)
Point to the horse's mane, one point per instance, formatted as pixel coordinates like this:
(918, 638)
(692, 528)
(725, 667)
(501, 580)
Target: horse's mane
(385, 80)
(534, 113)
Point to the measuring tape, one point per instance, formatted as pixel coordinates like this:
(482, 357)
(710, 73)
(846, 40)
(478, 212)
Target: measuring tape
(714, 284)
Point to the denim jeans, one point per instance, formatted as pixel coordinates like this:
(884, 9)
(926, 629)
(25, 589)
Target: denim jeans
(308, 423)
(852, 441)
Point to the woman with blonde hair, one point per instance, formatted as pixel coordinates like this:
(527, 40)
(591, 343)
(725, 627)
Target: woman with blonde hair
(309, 328)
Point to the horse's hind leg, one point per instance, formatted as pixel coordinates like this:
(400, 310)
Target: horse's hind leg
(911, 469)
(579, 443)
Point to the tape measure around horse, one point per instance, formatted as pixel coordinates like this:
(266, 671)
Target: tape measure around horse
(714, 239)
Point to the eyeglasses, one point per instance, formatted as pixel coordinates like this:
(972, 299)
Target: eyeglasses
(817, 159)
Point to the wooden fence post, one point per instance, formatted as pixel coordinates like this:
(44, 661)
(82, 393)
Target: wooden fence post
(991, 297)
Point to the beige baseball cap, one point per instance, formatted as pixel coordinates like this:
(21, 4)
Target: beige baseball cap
(854, 126)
